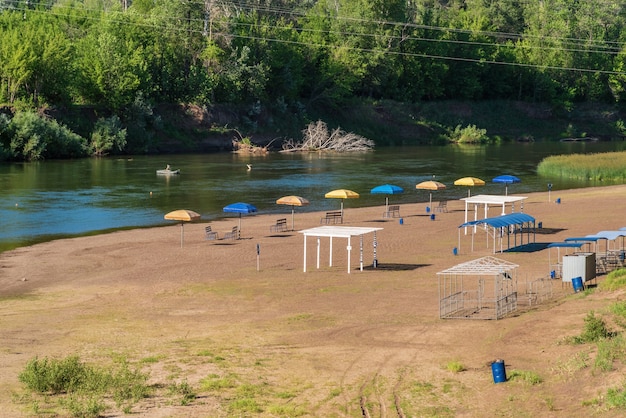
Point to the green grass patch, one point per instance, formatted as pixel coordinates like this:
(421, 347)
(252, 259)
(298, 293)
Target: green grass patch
(608, 166)
(455, 366)
(525, 376)
(595, 329)
(614, 280)
(83, 389)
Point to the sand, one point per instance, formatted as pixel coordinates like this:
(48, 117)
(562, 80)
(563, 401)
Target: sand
(321, 343)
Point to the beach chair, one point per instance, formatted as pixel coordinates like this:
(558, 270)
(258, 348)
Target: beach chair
(210, 234)
(442, 206)
(393, 211)
(232, 234)
(279, 226)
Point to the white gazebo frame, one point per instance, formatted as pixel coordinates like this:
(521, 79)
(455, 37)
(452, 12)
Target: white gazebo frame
(339, 232)
(491, 200)
(464, 292)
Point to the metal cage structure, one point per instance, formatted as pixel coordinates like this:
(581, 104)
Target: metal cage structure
(485, 288)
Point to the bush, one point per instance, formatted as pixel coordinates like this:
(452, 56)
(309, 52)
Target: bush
(595, 330)
(107, 135)
(34, 138)
(468, 135)
(54, 376)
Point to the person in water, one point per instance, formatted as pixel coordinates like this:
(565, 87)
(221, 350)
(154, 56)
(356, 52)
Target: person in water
(167, 167)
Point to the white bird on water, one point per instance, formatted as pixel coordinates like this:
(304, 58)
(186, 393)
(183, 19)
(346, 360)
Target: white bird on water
(249, 166)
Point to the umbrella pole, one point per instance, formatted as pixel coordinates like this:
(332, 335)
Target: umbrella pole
(386, 204)
(182, 233)
(430, 204)
(341, 208)
(292, 224)
(239, 229)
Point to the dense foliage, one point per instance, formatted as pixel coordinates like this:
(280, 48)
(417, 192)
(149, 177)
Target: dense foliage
(288, 56)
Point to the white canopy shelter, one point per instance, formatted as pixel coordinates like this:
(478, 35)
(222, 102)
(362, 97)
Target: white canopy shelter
(339, 232)
(491, 200)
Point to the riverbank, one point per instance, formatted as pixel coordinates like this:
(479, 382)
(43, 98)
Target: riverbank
(319, 343)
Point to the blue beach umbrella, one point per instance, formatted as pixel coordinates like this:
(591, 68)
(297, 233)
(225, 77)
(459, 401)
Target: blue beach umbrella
(506, 179)
(387, 189)
(240, 208)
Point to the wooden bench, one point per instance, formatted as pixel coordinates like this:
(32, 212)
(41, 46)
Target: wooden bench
(279, 226)
(442, 206)
(392, 212)
(210, 234)
(335, 217)
(233, 234)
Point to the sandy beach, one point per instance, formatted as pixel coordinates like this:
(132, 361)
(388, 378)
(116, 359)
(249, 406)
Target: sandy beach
(320, 343)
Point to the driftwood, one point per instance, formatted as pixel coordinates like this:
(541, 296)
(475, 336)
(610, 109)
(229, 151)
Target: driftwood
(318, 138)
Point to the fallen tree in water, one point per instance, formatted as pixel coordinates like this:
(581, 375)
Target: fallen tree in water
(317, 137)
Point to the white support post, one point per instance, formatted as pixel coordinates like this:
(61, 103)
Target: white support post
(330, 252)
(361, 253)
(318, 253)
(349, 248)
(304, 268)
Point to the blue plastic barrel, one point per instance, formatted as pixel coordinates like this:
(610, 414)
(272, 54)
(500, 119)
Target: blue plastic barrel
(553, 274)
(427, 209)
(499, 372)
(401, 221)
(432, 216)
(558, 200)
(577, 284)
(455, 251)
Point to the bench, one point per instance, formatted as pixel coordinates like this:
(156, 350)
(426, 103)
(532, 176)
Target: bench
(233, 234)
(335, 217)
(392, 212)
(210, 234)
(442, 206)
(279, 226)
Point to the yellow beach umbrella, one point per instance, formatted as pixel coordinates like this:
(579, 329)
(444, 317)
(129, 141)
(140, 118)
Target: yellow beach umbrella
(182, 215)
(469, 182)
(342, 194)
(430, 185)
(292, 201)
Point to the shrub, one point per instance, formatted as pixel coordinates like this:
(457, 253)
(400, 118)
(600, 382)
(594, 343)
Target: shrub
(595, 330)
(108, 135)
(468, 135)
(35, 138)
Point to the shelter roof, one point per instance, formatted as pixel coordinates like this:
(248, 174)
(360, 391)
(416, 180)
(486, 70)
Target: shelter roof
(610, 235)
(481, 266)
(489, 199)
(566, 244)
(502, 221)
(338, 231)
(582, 239)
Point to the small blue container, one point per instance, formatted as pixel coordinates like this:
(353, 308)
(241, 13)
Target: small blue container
(499, 371)
(558, 201)
(427, 209)
(401, 221)
(577, 284)
(432, 216)
(455, 251)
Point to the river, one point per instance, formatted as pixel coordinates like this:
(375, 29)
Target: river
(41, 201)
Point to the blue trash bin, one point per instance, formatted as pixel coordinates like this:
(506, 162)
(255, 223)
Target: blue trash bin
(558, 200)
(455, 251)
(401, 221)
(427, 209)
(432, 216)
(499, 371)
(577, 284)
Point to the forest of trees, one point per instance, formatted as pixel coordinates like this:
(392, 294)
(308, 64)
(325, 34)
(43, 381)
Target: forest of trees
(291, 56)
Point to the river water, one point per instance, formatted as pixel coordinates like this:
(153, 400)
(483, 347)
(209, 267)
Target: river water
(41, 201)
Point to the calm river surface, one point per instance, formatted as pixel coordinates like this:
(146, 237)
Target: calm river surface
(52, 199)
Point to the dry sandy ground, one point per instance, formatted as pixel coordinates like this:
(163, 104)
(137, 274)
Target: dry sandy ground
(321, 343)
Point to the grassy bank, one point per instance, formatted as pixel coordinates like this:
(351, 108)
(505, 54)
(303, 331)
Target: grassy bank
(604, 166)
